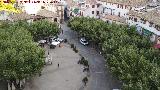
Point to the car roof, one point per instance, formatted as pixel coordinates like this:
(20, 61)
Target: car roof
(83, 38)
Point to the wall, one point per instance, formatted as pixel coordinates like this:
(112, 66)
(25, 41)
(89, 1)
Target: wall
(145, 26)
(88, 12)
(113, 9)
(3, 15)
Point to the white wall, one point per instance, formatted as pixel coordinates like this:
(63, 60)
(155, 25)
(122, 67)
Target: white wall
(145, 26)
(113, 8)
(4, 15)
(88, 12)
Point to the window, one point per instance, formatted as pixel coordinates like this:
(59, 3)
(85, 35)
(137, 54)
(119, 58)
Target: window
(135, 19)
(87, 5)
(55, 19)
(157, 27)
(119, 14)
(121, 6)
(150, 24)
(125, 6)
(98, 5)
(97, 12)
(118, 6)
(144, 22)
(129, 18)
(92, 12)
(93, 6)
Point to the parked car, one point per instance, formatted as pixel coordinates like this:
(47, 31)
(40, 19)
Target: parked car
(83, 41)
(54, 43)
(60, 39)
(56, 39)
(42, 41)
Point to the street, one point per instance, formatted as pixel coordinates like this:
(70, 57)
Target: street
(101, 78)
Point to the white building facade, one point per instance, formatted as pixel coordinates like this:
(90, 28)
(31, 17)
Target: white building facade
(147, 23)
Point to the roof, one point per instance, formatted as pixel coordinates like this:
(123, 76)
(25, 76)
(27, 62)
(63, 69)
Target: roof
(46, 13)
(128, 2)
(70, 3)
(37, 17)
(91, 2)
(20, 16)
(115, 18)
(151, 16)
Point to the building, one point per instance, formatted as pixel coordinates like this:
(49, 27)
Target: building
(4, 15)
(147, 23)
(120, 8)
(86, 8)
(91, 8)
(48, 15)
(33, 7)
(15, 16)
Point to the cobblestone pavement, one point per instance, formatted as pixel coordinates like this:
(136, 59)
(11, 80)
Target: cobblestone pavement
(67, 77)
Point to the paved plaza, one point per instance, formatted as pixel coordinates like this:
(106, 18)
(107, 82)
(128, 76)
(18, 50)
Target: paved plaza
(68, 76)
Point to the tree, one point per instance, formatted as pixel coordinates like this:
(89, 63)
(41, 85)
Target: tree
(9, 6)
(20, 57)
(129, 55)
(43, 28)
(39, 29)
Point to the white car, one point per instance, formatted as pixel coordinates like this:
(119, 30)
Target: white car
(55, 42)
(42, 41)
(83, 41)
(59, 39)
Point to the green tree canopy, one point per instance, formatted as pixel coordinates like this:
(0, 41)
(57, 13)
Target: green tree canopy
(129, 55)
(39, 29)
(20, 57)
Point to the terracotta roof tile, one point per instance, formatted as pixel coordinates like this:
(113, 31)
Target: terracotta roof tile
(128, 2)
(151, 16)
(115, 18)
(46, 13)
(20, 16)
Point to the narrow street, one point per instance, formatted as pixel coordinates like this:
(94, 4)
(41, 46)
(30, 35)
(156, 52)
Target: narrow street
(100, 78)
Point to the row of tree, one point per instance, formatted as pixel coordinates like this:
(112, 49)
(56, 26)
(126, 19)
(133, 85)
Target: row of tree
(129, 55)
(20, 57)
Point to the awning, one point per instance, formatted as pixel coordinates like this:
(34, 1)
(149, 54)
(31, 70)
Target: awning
(76, 10)
(157, 46)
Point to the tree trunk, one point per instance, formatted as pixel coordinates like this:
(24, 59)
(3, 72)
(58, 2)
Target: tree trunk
(10, 84)
(17, 84)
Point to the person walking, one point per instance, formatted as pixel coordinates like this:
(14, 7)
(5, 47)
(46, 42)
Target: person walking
(58, 65)
(48, 52)
(62, 31)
